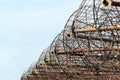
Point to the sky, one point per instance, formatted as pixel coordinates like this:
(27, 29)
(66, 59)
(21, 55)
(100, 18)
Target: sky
(27, 27)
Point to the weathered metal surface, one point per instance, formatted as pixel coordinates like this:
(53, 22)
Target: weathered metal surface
(88, 48)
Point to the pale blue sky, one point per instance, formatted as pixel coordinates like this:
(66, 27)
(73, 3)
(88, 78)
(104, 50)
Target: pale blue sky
(27, 27)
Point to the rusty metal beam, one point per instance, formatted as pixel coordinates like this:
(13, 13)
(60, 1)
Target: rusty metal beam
(90, 50)
(79, 72)
(103, 28)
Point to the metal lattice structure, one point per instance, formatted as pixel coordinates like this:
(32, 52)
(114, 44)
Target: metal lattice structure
(87, 49)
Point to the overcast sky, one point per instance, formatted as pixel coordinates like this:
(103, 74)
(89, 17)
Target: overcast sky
(27, 27)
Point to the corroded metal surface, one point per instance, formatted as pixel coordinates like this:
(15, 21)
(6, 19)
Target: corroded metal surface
(88, 48)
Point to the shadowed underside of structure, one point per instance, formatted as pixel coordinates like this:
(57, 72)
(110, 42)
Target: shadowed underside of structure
(88, 48)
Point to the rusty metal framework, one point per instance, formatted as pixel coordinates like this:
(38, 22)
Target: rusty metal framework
(88, 48)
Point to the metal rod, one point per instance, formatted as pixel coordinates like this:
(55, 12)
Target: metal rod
(91, 50)
(103, 28)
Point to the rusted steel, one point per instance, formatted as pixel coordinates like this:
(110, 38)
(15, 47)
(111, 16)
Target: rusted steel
(119, 76)
(90, 50)
(103, 28)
